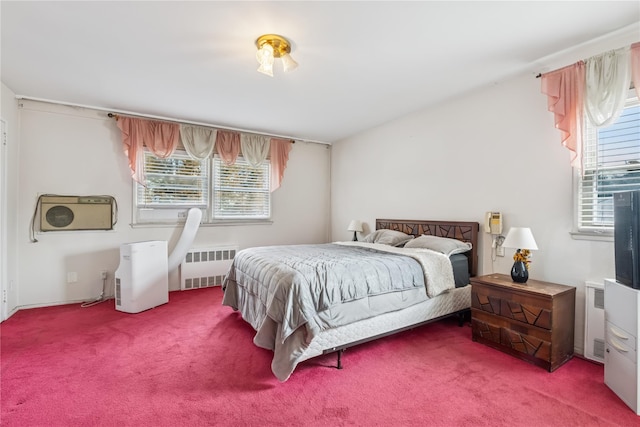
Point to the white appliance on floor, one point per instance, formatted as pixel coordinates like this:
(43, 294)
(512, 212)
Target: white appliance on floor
(142, 278)
(622, 322)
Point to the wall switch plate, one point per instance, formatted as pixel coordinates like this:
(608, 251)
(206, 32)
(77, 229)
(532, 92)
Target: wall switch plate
(72, 277)
(500, 251)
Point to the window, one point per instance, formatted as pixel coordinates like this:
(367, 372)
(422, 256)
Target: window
(238, 192)
(241, 190)
(611, 162)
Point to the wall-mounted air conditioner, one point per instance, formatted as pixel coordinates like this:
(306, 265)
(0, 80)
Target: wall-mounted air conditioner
(76, 212)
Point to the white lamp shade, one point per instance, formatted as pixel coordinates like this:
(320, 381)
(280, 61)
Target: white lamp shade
(265, 57)
(520, 238)
(266, 68)
(355, 225)
(288, 63)
(265, 54)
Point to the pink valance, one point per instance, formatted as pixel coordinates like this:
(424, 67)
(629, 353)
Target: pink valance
(635, 66)
(161, 138)
(228, 146)
(279, 157)
(565, 92)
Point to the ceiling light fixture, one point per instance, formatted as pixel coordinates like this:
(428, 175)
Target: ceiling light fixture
(271, 46)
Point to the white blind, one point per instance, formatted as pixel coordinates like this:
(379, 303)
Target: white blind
(611, 164)
(174, 182)
(241, 191)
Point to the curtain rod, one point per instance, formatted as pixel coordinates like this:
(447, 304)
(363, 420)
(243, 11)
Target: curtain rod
(129, 113)
(626, 36)
(117, 116)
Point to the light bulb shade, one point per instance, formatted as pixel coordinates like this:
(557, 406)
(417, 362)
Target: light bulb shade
(520, 238)
(264, 55)
(266, 68)
(288, 63)
(355, 225)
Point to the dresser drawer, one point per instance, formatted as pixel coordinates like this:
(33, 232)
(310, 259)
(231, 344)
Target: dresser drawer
(531, 341)
(620, 341)
(526, 308)
(520, 341)
(485, 330)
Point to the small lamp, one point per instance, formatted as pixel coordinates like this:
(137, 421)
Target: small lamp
(355, 226)
(521, 238)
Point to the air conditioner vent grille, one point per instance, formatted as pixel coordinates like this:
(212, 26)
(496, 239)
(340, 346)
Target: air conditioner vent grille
(598, 348)
(598, 298)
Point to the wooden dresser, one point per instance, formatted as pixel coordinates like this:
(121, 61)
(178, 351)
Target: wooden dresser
(533, 321)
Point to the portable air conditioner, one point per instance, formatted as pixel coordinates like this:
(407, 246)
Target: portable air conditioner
(142, 278)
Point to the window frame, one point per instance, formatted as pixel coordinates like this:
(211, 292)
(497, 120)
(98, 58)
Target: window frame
(150, 216)
(592, 232)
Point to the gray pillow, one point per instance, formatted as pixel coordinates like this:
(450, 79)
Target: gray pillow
(388, 237)
(444, 245)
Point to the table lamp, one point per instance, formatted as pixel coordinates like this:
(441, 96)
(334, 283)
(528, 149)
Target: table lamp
(522, 239)
(355, 226)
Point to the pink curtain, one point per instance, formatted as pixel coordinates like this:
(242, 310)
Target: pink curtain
(635, 66)
(565, 93)
(228, 146)
(161, 138)
(279, 156)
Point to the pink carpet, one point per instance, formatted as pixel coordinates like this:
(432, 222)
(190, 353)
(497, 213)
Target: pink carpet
(192, 362)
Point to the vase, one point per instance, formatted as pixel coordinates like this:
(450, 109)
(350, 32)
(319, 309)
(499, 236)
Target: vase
(519, 272)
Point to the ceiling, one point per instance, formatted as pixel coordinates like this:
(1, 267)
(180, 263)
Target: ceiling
(361, 63)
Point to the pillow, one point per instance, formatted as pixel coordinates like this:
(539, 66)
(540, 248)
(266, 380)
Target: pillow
(444, 245)
(388, 237)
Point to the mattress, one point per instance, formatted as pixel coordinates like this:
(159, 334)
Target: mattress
(460, 264)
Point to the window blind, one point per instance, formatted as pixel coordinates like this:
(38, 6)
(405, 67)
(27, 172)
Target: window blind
(611, 164)
(241, 190)
(174, 182)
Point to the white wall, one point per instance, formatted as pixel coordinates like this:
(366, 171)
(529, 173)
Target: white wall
(65, 150)
(9, 273)
(493, 150)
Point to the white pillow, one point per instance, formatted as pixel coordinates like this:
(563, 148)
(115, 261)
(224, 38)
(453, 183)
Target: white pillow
(388, 237)
(443, 245)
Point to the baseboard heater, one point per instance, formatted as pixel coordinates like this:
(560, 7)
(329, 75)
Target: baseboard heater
(206, 267)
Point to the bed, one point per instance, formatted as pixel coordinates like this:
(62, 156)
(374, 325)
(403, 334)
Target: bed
(308, 300)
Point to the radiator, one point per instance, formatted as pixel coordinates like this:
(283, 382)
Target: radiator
(594, 321)
(205, 267)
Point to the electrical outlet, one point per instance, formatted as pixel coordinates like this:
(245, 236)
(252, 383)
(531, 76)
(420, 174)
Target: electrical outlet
(103, 274)
(72, 277)
(500, 251)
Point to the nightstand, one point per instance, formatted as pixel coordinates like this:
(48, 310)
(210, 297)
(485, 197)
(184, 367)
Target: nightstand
(532, 321)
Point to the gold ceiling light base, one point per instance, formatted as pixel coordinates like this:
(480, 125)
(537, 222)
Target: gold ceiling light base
(280, 45)
(271, 46)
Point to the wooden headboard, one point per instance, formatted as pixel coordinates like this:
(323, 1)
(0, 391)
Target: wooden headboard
(465, 231)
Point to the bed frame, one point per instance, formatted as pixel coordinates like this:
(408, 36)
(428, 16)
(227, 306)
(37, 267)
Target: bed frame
(460, 230)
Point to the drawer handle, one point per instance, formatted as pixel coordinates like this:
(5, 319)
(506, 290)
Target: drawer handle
(617, 347)
(618, 334)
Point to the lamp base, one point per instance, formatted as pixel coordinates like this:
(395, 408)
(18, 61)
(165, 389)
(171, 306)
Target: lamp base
(355, 236)
(519, 272)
